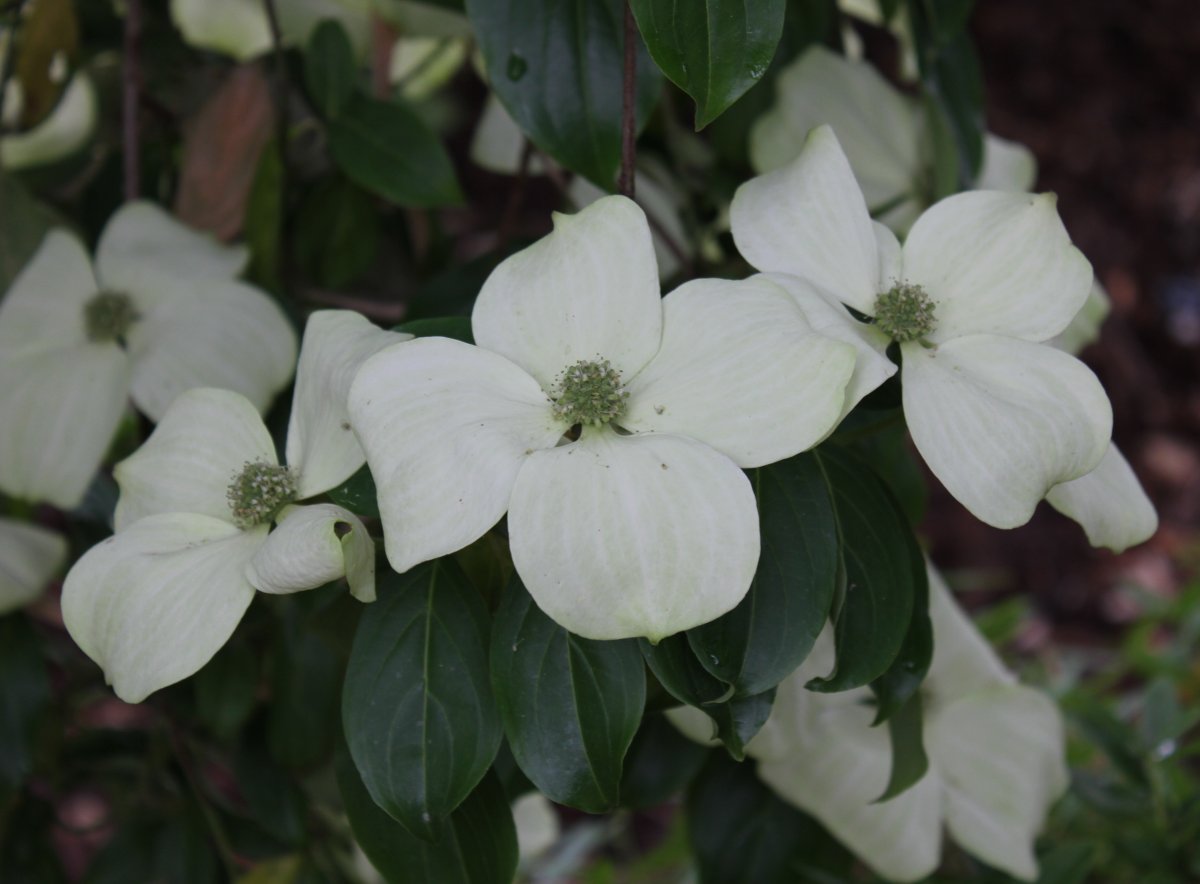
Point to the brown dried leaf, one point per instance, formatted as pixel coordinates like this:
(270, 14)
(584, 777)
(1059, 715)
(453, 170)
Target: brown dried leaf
(46, 42)
(223, 142)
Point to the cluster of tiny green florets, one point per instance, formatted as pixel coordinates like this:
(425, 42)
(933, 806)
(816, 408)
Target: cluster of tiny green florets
(259, 492)
(108, 316)
(589, 393)
(905, 312)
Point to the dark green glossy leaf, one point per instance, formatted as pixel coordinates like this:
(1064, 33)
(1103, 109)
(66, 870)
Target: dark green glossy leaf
(264, 219)
(273, 798)
(24, 695)
(478, 844)
(226, 688)
(660, 762)
(761, 641)
(557, 69)
(739, 719)
(386, 148)
(357, 494)
(872, 618)
(302, 715)
(417, 705)
(909, 762)
(740, 832)
(330, 71)
(570, 705)
(951, 75)
(456, 327)
(337, 232)
(714, 50)
(675, 666)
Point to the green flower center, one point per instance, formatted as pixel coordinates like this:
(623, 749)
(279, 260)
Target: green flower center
(259, 493)
(108, 316)
(589, 393)
(905, 312)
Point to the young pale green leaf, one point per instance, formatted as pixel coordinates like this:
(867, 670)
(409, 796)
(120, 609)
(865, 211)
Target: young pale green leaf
(714, 50)
(570, 705)
(417, 708)
(660, 763)
(330, 71)
(386, 148)
(872, 618)
(557, 69)
(478, 844)
(771, 631)
(909, 761)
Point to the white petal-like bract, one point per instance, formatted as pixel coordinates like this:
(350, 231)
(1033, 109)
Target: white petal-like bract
(44, 307)
(238, 28)
(809, 219)
(186, 466)
(997, 263)
(741, 370)
(1000, 421)
(1109, 503)
(445, 427)
(29, 557)
(621, 536)
(587, 291)
(321, 445)
(66, 130)
(314, 545)
(152, 604)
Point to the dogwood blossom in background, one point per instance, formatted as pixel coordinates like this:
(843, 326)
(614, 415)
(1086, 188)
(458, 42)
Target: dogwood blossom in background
(645, 524)
(537, 825)
(900, 27)
(995, 749)
(155, 601)
(29, 557)
(241, 29)
(883, 132)
(158, 313)
(66, 130)
(983, 279)
(1108, 502)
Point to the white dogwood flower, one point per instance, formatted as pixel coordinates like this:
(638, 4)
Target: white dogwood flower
(983, 279)
(1109, 502)
(65, 130)
(995, 749)
(155, 601)
(29, 557)
(159, 312)
(884, 133)
(645, 524)
(242, 30)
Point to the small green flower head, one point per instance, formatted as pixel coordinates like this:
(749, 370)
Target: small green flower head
(905, 313)
(108, 316)
(589, 394)
(259, 493)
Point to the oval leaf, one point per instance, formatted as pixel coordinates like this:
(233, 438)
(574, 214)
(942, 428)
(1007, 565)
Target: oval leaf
(420, 721)
(557, 69)
(761, 641)
(570, 705)
(386, 148)
(330, 71)
(714, 50)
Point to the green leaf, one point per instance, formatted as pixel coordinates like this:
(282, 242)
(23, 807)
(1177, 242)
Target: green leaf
(24, 696)
(386, 148)
(478, 844)
(273, 798)
(872, 619)
(337, 232)
(417, 706)
(302, 714)
(674, 664)
(570, 705)
(264, 219)
(456, 327)
(226, 689)
(330, 71)
(714, 50)
(741, 832)
(557, 69)
(761, 641)
(660, 762)
(26, 222)
(909, 761)
(739, 719)
(357, 494)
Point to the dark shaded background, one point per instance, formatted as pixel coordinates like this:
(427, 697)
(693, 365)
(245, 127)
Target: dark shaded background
(1107, 95)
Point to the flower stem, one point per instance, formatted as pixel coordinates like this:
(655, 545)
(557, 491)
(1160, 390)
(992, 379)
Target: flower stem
(628, 105)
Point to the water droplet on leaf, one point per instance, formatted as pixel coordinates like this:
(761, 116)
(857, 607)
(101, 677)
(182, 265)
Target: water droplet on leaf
(517, 66)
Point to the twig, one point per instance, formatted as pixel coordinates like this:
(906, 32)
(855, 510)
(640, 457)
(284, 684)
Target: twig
(131, 79)
(628, 105)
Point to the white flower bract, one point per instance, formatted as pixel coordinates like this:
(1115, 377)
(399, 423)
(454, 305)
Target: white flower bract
(29, 557)
(999, 416)
(644, 525)
(158, 313)
(155, 601)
